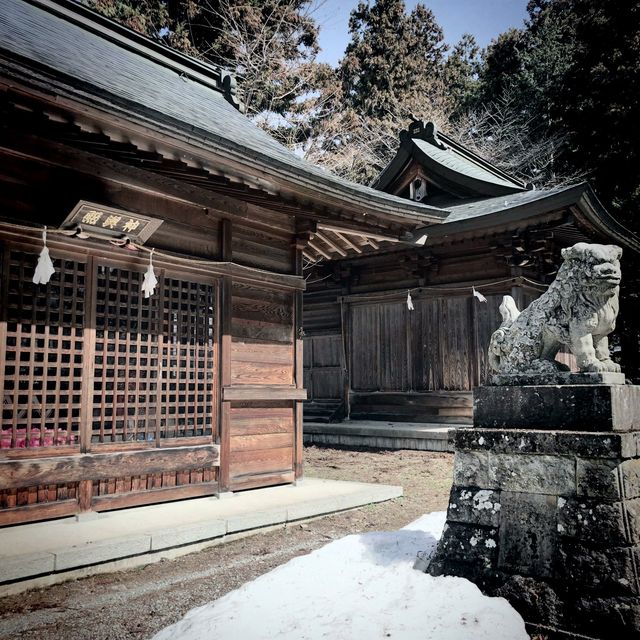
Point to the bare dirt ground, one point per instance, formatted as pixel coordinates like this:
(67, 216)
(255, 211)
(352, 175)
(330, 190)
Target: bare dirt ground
(139, 602)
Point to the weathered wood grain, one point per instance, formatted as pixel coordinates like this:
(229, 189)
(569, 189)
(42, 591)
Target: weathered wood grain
(89, 467)
(262, 480)
(261, 441)
(32, 513)
(261, 461)
(254, 373)
(257, 420)
(152, 496)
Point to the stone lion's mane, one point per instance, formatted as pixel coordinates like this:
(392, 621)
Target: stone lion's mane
(583, 300)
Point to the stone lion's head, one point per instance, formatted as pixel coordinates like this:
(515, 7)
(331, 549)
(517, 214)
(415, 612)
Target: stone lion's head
(595, 266)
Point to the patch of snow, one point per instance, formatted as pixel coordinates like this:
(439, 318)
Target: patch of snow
(561, 503)
(480, 440)
(490, 543)
(361, 586)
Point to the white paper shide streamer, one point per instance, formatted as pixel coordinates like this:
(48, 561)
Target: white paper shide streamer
(150, 281)
(409, 301)
(478, 295)
(44, 268)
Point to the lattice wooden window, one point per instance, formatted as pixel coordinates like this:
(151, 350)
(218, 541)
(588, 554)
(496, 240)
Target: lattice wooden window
(41, 376)
(187, 359)
(154, 359)
(126, 374)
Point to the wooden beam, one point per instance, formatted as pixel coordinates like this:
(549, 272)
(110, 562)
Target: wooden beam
(317, 249)
(153, 496)
(332, 244)
(348, 242)
(38, 511)
(161, 259)
(97, 466)
(370, 241)
(263, 392)
(359, 232)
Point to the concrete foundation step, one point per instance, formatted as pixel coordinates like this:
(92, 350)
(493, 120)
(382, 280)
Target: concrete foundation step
(44, 553)
(419, 436)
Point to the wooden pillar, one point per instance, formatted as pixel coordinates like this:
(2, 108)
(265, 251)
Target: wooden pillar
(302, 239)
(88, 356)
(226, 312)
(85, 487)
(305, 231)
(345, 323)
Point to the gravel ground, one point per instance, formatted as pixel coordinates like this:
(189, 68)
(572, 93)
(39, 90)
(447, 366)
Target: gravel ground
(139, 602)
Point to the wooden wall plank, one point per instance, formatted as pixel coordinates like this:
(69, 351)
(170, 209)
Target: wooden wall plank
(261, 420)
(394, 356)
(365, 348)
(260, 437)
(261, 441)
(244, 463)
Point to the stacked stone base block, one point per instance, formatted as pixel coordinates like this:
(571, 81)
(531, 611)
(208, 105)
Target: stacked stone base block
(549, 520)
(579, 407)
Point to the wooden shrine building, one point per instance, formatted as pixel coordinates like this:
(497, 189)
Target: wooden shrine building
(367, 355)
(121, 146)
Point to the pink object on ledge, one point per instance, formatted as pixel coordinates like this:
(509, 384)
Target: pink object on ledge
(62, 438)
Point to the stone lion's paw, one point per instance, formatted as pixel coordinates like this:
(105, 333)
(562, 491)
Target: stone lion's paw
(596, 366)
(610, 365)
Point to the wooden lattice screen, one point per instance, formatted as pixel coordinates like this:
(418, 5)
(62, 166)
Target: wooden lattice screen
(187, 358)
(42, 354)
(153, 360)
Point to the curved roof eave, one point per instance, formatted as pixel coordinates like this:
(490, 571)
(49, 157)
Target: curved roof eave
(596, 215)
(525, 207)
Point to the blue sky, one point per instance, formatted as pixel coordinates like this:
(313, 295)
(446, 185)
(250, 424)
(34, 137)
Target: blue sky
(484, 19)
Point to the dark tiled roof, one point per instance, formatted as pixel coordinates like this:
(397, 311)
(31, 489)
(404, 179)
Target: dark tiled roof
(467, 210)
(458, 163)
(89, 60)
(587, 214)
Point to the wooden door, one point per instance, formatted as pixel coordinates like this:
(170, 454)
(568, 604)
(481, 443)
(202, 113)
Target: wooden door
(324, 368)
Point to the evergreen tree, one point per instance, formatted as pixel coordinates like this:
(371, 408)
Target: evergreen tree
(599, 101)
(393, 70)
(394, 59)
(573, 73)
(461, 70)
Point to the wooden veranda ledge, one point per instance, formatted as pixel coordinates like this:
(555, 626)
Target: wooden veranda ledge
(22, 473)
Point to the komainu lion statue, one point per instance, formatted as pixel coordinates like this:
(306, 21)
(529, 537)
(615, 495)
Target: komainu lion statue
(578, 310)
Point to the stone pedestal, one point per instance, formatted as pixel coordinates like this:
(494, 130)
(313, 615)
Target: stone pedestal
(578, 407)
(550, 518)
